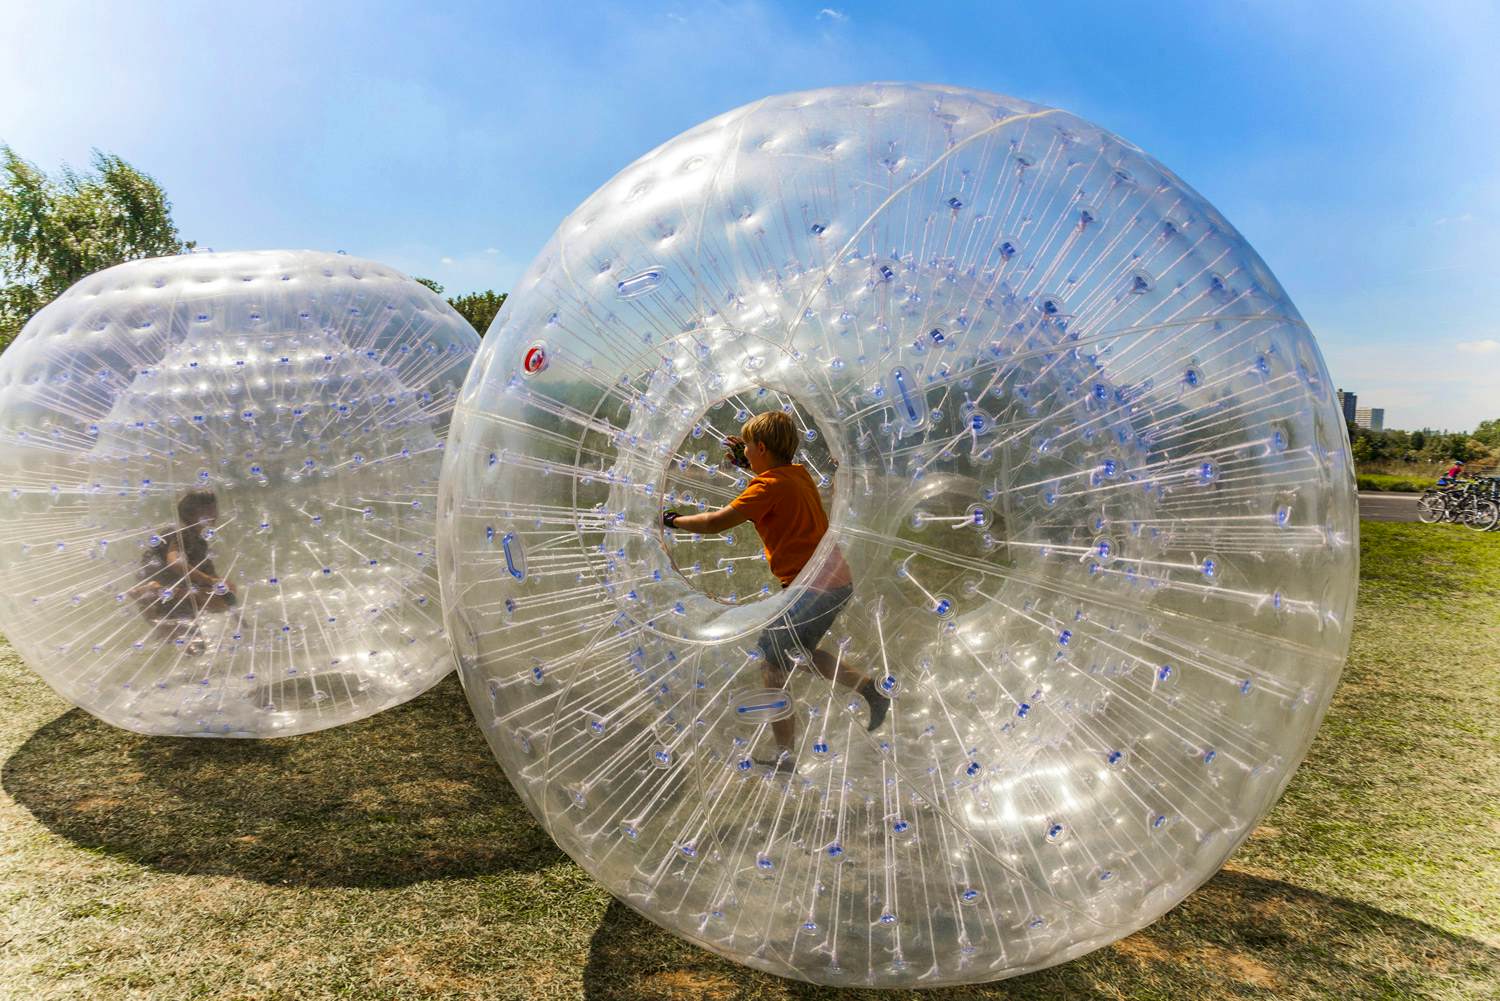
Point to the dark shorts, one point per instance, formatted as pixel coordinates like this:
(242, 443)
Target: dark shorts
(803, 626)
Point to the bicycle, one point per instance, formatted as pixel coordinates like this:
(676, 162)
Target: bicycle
(1473, 503)
(1488, 489)
(1432, 506)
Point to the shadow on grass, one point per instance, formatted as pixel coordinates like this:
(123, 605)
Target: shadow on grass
(1240, 936)
(408, 795)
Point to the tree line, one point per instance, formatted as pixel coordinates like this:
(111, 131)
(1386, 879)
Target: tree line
(479, 308)
(1372, 448)
(58, 229)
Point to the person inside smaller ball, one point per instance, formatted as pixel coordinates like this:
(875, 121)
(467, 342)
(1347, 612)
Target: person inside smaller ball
(781, 501)
(178, 581)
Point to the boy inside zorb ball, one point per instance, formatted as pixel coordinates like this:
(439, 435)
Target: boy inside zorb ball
(782, 502)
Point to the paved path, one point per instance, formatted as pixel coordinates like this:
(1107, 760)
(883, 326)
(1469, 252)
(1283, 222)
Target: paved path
(1380, 506)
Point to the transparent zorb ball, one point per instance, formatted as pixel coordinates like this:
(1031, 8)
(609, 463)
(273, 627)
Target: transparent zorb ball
(217, 489)
(1077, 448)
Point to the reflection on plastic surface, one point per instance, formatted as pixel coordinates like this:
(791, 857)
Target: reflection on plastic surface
(1084, 464)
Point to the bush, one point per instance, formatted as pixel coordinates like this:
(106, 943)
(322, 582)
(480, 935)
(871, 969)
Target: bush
(1397, 484)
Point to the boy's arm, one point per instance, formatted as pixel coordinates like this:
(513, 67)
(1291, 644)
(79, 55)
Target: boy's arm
(752, 502)
(205, 580)
(709, 521)
(202, 575)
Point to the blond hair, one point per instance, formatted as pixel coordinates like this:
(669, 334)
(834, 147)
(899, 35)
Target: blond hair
(773, 429)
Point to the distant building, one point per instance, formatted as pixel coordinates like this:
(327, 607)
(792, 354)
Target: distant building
(1370, 418)
(1346, 404)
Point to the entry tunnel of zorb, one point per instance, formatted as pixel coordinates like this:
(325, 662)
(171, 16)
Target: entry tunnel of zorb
(1081, 456)
(307, 395)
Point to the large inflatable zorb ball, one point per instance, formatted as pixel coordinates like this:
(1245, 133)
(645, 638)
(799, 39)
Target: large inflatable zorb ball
(217, 484)
(1078, 449)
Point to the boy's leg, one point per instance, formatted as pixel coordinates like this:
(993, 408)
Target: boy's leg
(775, 672)
(837, 669)
(785, 729)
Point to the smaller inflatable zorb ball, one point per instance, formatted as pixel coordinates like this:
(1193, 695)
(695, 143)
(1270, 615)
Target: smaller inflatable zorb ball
(216, 483)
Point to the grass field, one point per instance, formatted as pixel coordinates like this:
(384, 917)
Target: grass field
(389, 859)
(1413, 477)
(1398, 484)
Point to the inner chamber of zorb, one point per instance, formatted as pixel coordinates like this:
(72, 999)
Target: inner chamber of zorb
(1084, 466)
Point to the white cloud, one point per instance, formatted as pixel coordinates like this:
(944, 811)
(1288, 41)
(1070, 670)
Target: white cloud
(445, 260)
(830, 14)
(492, 250)
(1488, 346)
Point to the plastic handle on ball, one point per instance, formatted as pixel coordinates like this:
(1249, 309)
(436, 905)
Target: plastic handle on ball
(510, 560)
(901, 379)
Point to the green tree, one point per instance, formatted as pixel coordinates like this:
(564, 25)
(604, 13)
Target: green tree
(1488, 433)
(1446, 446)
(479, 308)
(55, 231)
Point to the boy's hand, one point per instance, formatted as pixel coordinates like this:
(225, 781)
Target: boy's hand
(149, 590)
(734, 451)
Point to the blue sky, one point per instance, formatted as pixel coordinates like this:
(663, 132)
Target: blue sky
(1357, 146)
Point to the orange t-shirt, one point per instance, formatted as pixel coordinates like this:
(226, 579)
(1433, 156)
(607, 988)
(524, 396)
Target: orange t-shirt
(784, 506)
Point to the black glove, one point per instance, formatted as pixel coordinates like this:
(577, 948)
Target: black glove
(669, 519)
